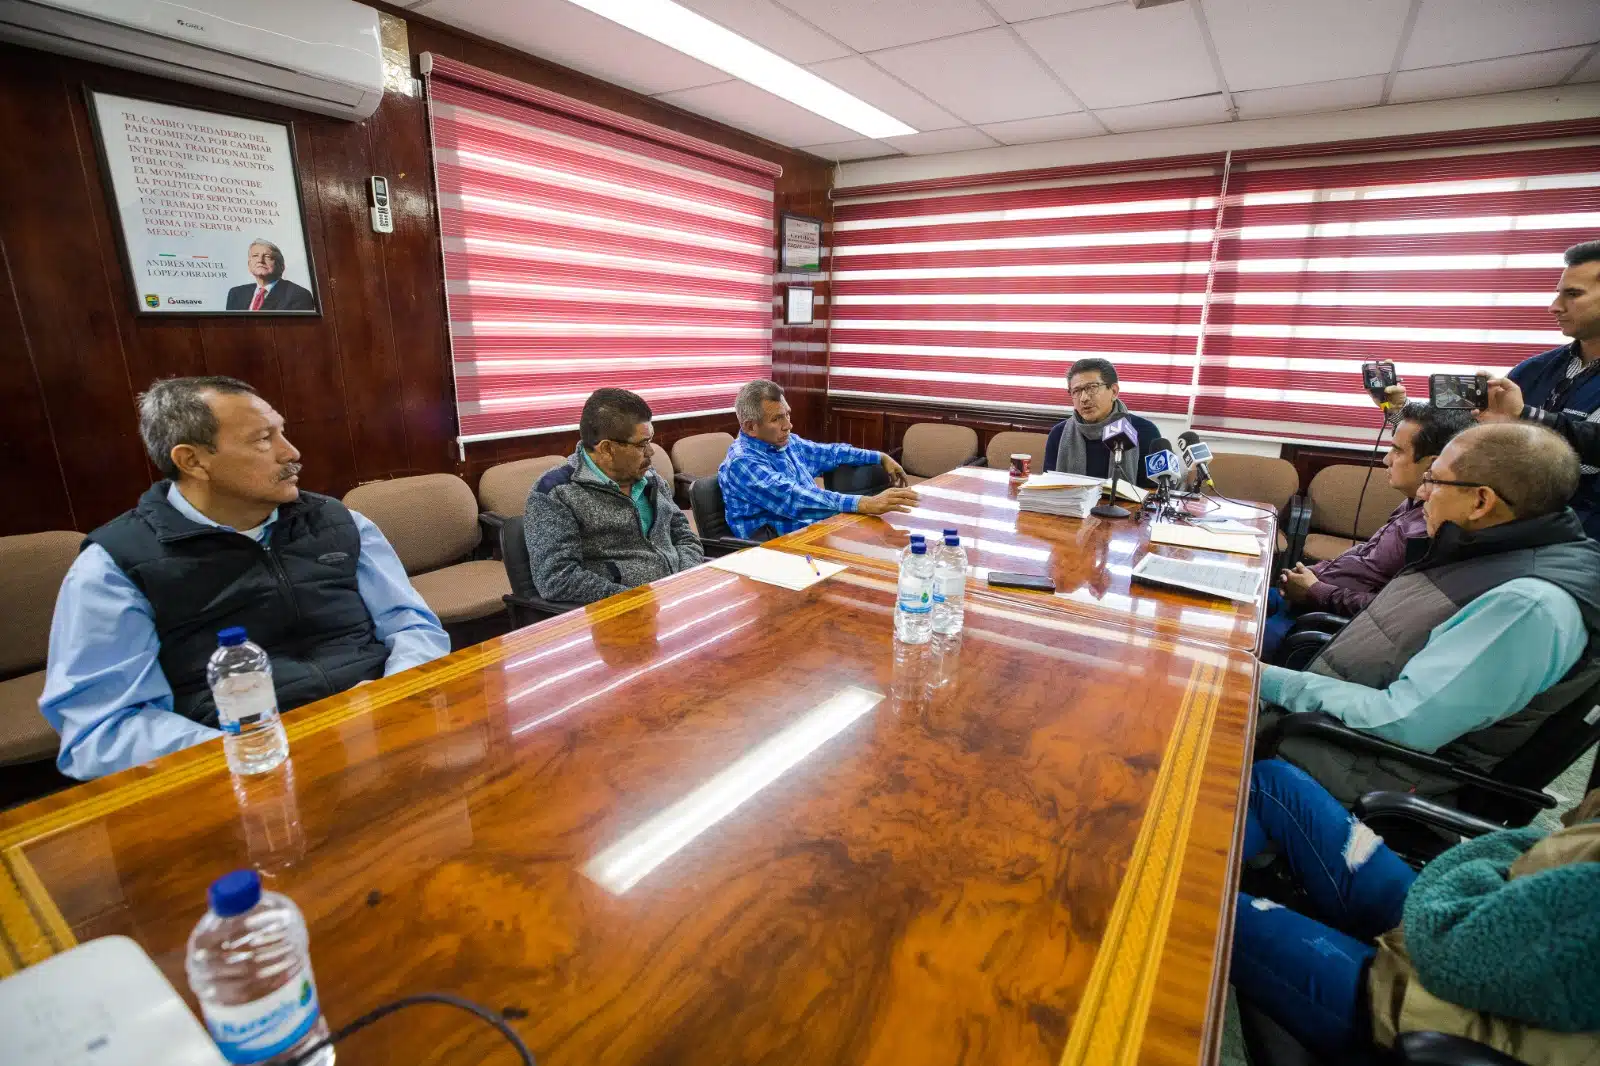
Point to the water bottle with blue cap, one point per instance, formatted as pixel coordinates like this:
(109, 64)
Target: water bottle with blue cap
(240, 675)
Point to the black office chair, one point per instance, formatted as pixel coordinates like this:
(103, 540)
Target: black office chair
(866, 480)
(1310, 633)
(524, 605)
(710, 518)
(1266, 1043)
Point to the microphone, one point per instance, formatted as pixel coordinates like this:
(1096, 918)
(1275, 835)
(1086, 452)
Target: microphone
(1118, 437)
(1161, 465)
(1197, 454)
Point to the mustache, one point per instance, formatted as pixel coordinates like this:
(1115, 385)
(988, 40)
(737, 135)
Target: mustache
(289, 471)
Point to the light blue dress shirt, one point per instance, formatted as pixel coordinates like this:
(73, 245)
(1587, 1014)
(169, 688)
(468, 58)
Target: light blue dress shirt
(104, 690)
(1482, 664)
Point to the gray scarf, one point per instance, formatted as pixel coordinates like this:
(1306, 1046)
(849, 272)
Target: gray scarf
(1073, 458)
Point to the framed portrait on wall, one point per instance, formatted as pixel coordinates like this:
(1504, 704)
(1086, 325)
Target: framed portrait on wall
(799, 244)
(207, 209)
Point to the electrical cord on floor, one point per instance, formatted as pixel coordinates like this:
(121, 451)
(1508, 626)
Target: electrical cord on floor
(412, 1001)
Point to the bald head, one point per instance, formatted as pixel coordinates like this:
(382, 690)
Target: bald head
(1529, 467)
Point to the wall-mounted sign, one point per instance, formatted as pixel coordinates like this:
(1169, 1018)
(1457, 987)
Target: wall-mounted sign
(208, 209)
(799, 244)
(799, 305)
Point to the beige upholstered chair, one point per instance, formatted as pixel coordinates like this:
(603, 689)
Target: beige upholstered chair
(931, 448)
(1003, 445)
(503, 489)
(32, 566)
(432, 522)
(1333, 494)
(662, 463)
(698, 456)
(1259, 479)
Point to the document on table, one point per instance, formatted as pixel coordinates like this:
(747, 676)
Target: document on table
(1204, 539)
(1227, 580)
(1228, 525)
(1131, 493)
(776, 568)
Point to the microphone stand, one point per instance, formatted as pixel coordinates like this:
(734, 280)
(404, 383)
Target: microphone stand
(1112, 509)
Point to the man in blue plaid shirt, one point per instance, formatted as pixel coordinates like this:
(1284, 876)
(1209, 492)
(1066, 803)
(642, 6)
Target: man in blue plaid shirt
(769, 477)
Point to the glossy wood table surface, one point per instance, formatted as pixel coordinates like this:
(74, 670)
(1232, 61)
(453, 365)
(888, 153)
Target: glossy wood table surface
(713, 821)
(1089, 560)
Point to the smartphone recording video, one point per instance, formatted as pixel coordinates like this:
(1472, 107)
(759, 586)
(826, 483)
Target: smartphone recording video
(1458, 392)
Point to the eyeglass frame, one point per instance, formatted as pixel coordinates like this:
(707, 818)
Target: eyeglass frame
(642, 445)
(1083, 392)
(1430, 481)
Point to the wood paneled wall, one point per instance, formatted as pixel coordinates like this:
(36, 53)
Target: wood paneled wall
(365, 388)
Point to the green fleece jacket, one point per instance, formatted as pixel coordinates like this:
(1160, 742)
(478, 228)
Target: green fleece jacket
(1517, 944)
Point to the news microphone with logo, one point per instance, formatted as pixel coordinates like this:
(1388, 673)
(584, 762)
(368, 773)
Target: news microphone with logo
(1197, 453)
(1118, 437)
(1162, 465)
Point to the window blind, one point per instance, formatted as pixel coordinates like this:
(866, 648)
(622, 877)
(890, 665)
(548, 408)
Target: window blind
(983, 294)
(1442, 260)
(583, 248)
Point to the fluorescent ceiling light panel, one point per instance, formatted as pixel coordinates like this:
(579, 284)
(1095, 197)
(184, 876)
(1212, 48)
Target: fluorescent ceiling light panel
(695, 35)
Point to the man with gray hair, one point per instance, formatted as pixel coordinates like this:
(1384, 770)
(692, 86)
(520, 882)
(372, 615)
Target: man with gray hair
(271, 291)
(768, 480)
(1492, 627)
(227, 538)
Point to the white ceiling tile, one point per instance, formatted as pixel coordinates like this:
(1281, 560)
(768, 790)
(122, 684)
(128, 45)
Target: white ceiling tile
(1022, 10)
(565, 33)
(1486, 76)
(978, 77)
(960, 139)
(842, 150)
(1197, 111)
(1590, 71)
(1048, 128)
(772, 27)
(867, 26)
(1111, 56)
(1319, 96)
(1267, 43)
(741, 104)
(1455, 31)
(856, 75)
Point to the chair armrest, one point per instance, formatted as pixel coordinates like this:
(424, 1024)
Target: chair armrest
(682, 486)
(1442, 1049)
(715, 547)
(1320, 622)
(1318, 725)
(489, 524)
(1296, 526)
(540, 604)
(976, 460)
(895, 453)
(1384, 806)
(1296, 650)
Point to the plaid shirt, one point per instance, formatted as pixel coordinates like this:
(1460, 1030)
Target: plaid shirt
(767, 486)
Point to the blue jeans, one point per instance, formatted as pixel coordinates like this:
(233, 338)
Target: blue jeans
(1309, 973)
(1280, 619)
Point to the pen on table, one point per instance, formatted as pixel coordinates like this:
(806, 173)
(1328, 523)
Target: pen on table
(813, 563)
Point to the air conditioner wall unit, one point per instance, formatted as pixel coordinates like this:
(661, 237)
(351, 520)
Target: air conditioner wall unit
(315, 55)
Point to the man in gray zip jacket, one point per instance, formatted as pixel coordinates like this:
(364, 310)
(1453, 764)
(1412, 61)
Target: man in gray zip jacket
(605, 522)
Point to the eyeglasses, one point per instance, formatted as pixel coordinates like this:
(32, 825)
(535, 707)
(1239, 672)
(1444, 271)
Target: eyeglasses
(1083, 392)
(1434, 482)
(642, 445)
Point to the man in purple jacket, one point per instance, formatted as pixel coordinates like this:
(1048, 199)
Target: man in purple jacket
(1347, 584)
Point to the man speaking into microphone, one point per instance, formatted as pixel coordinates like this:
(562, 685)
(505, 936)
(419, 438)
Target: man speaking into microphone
(1075, 445)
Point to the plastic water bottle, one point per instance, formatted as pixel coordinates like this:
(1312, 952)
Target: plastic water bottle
(250, 968)
(949, 585)
(905, 553)
(240, 675)
(913, 612)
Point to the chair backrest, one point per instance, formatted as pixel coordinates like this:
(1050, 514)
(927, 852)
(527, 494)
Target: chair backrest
(514, 550)
(1333, 493)
(931, 448)
(1256, 478)
(431, 520)
(504, 488)
(701, 454)
(1003, 445)
(32, 566)
(662, 463)
(705, 500)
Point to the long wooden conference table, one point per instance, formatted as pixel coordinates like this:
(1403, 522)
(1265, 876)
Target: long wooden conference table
(712, 820)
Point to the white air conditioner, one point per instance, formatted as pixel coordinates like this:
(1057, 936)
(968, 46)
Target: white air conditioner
(317, 55)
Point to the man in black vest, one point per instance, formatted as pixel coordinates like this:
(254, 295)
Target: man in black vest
(1493, 626)
(228, 539)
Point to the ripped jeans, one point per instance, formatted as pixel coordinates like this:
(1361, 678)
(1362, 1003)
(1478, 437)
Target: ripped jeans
(1309, 973)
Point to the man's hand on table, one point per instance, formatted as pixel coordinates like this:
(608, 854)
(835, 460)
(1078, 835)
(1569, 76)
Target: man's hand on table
(897, 500)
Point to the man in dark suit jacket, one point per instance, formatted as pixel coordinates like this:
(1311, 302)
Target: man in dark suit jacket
(270, 291)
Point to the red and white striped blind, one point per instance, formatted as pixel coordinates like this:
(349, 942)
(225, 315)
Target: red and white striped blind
(984, 294)
(583, 248)
(1442, 260)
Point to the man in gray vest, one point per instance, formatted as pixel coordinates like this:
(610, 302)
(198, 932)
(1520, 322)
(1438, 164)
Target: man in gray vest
(1490, 628)
(227, 539)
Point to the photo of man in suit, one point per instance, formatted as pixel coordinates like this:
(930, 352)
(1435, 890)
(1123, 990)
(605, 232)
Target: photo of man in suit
(271, 291)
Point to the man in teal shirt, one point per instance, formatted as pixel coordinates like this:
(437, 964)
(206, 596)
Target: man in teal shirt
(1476, 641)
(605, 521)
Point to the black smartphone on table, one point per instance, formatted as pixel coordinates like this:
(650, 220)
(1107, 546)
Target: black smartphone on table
(1000, 579)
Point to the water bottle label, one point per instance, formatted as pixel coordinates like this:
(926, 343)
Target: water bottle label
(916, 598)
(244, 702)
(262, 1028)
(949, 587)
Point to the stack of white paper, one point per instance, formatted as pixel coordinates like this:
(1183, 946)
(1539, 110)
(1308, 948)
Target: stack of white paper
(787, 571)
(1059, 494)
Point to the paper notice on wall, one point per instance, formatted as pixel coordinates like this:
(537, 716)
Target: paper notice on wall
(209, 208)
